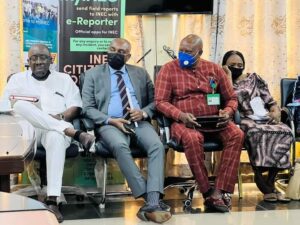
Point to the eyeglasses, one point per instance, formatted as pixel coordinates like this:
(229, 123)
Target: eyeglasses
(43, 58)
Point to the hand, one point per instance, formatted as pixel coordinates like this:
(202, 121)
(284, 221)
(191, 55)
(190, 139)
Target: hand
(135, 114)
(274, 114)
(119, 123)
(225, 118)
(189, 120)
(227, 71)
(57, 116)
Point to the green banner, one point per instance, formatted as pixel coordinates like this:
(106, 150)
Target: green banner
(86, 30)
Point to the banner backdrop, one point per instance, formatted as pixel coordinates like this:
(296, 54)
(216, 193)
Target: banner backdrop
(40, 26)
(86, 29)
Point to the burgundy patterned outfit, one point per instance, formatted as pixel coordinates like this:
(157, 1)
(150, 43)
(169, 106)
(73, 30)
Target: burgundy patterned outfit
(183, 90)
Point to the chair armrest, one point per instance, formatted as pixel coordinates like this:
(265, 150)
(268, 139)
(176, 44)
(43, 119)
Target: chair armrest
(237, 117)
(163, 121)
(164, 124)
(288, 118)
(286, 115)
(88, 124)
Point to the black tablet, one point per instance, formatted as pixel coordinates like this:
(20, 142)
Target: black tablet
(209, 121)
(209, 118)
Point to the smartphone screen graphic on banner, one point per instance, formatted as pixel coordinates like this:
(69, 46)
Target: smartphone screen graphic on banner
(86, 30)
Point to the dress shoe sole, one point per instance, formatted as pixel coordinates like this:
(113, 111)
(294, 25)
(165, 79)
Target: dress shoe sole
(158, 216)
(142, 216)
(270, 200)
(222, 209)
(56, 212)
(282, 199)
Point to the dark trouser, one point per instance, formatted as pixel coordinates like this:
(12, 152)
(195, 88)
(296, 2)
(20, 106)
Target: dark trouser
(265, 185)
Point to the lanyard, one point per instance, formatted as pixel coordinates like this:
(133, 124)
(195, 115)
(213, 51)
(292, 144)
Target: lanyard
(212, 84)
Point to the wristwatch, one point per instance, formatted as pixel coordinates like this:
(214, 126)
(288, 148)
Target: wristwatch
(61, 116)
(145, 115)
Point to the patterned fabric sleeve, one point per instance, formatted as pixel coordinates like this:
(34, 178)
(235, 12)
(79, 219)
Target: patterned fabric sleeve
(163, 94)
(264, 92)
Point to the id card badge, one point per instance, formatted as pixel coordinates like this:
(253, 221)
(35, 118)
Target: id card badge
(213, 99)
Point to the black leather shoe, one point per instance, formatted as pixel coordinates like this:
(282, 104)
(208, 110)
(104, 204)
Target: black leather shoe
(55, 210)
(215, 205)
(154, 213)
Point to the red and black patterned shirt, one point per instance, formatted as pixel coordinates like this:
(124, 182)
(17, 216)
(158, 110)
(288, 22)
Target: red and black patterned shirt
(184, 90)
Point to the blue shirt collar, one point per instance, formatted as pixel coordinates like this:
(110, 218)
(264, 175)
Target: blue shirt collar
(112, 71)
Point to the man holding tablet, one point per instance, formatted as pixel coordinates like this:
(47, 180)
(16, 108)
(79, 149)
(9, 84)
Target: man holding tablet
(190, 87)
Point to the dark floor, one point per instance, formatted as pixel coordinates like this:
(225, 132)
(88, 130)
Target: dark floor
(121, 206)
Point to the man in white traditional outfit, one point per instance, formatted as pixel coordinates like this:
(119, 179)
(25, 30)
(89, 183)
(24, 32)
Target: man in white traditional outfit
(59, 102)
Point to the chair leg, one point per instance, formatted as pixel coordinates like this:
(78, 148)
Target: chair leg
(294, 153)
(240, 184)
(187, 203)
(213, 163)
(43, 172)
(102, 203)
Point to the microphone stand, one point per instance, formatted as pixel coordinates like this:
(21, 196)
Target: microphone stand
(144, 55)
(170, 52)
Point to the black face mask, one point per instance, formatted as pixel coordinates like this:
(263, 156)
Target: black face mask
(115, 60)
(235, 72)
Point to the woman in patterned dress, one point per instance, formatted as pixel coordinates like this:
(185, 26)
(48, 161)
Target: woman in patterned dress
(267, 141)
